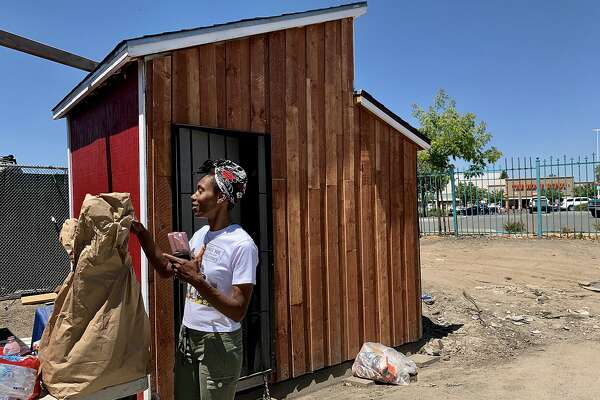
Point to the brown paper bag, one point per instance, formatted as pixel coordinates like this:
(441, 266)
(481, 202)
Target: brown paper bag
(99, 332)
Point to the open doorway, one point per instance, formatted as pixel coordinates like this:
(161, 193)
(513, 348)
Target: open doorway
(192, 146)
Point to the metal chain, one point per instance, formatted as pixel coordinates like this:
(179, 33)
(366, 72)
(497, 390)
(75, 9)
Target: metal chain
(266, 394)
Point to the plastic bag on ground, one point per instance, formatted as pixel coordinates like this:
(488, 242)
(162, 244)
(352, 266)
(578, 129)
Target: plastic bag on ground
(19, 377)
(380, 363)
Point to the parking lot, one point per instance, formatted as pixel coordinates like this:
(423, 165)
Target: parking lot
(563, 222)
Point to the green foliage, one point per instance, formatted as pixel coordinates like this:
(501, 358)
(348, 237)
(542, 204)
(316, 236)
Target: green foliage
(469, 193)
(453, 136)
(581, 207)
(587, 190)
(514, 227)
(496, 196)
(503, 174)
(552, 194)
(432, 184)
(596, 226)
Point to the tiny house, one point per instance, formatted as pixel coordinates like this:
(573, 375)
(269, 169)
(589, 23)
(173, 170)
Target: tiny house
(332, 194)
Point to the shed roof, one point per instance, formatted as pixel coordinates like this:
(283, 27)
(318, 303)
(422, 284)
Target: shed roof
(131, 49)
(373, 105)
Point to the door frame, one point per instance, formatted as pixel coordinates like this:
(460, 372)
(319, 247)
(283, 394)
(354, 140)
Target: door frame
(257, 378)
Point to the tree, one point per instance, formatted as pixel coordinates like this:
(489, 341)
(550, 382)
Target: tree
(552, 194)
(469, 193)
(454, 136)
(496, 196)
(587, 190)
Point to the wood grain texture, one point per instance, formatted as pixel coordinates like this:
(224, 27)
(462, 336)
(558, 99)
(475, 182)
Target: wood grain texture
(160, 219)
(333, 125)
(277, 121)
(186, 83)
(381, 234)
(258, 84)
(410, 240)
(237, 62)
(294, 72)
(397, 239)
(315, 118)
(344, 220)
(367, 239)
(207, 64)
(281, 289)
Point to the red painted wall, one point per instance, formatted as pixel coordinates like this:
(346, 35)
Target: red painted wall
(104, 145)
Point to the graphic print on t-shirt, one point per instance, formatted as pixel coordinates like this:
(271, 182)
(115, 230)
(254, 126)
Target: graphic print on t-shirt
(230, 258)
(212, 254)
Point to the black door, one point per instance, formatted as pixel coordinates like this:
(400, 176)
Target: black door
(192, 146)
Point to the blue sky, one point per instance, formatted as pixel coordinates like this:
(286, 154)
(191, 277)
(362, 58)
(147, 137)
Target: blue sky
(530, 69)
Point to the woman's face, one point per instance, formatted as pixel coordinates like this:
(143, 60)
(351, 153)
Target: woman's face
(206, 198)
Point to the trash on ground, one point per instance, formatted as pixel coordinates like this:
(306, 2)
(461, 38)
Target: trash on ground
(19, 377)
(581, 314)
(380, 363)
(10, 344)
(593, 286)
(433, 348)
(428, 299)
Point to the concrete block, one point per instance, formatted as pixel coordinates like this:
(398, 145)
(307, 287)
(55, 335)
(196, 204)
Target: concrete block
(423, 360)
(359, 382)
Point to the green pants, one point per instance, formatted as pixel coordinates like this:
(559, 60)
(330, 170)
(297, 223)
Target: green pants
(207, 365)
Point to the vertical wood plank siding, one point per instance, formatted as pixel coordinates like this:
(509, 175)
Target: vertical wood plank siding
(343, 184)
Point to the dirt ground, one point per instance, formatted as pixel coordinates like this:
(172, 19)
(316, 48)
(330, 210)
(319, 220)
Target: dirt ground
(17, 317)
(532, 332)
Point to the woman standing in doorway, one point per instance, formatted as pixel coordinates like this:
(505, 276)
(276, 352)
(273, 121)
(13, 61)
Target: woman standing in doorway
(220, 278)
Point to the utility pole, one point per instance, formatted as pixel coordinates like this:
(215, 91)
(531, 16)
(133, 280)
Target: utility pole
(597, 178)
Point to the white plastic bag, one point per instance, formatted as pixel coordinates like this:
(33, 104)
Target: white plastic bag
(19, 377)
(383, 364)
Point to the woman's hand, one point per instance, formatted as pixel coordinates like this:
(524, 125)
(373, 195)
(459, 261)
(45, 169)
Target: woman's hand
(187, 271)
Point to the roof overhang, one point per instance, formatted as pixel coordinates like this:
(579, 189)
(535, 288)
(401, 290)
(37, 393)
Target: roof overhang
(144, 46)
(371, 104)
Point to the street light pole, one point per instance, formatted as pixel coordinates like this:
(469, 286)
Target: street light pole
(597, 130)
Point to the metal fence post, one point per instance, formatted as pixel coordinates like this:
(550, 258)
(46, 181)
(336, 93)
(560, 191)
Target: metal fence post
(454, 217)
(538, 203)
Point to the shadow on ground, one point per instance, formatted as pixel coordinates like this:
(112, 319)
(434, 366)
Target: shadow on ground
(326, 376)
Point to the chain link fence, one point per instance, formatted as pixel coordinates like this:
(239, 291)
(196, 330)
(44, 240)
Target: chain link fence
(520, 196)
(34, 202)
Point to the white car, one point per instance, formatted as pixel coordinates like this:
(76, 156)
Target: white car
(570, 203)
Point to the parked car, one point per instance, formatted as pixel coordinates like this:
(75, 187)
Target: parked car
(545, 205)
(460, 210)
(570, 203)
(494, 208)
(594, 207)
(477, 209)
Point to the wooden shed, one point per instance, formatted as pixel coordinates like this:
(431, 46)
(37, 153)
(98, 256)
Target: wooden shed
(332, 193)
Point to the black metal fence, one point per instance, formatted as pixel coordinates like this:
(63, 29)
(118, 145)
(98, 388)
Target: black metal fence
(34, 202)
(523, 196)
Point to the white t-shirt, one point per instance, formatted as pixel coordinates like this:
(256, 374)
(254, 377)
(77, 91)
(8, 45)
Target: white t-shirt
(230, 259)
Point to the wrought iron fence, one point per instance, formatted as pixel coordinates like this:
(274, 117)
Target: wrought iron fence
(34, 202)
(524, 196)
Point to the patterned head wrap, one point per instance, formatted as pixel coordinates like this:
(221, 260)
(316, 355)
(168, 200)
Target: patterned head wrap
(230, 177)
